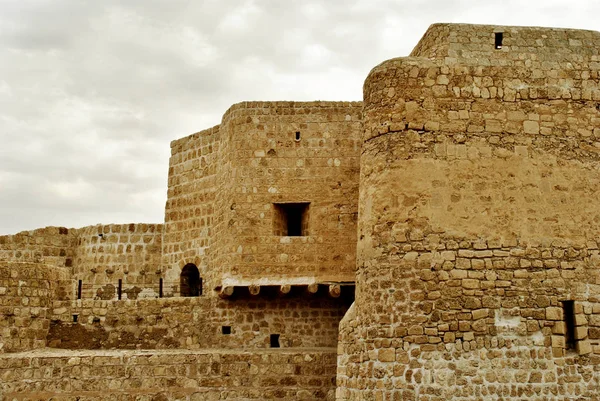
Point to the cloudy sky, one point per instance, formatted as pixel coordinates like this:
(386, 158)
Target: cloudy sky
(92, 92)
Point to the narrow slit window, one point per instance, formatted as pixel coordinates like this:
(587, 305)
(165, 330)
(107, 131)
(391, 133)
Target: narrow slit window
(226, 330)
(498, 38)
(75, 317)
(569, 318)
(120, 289)
(291, 219)
(79, 285)
(297, 135)
(274, 341)
(160, 288)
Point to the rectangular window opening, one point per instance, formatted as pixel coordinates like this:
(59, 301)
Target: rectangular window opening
(569, 318)
(498, 37)
(274, 340)
(297, 135)
(226, 330)
(160, 288)
(291, 219)
(79, 285)
(75, 317)
(120, 289)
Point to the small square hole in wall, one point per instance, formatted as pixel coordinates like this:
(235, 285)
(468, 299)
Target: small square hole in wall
(226, 330)
(291, 219)
(274, 341)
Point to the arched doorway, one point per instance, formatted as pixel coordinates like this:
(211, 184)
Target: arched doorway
(190, 283)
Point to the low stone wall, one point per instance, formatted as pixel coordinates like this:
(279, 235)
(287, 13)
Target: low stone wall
(52, 246)
(196, 322)
(168, 375)
(26, 293)
(113, 253)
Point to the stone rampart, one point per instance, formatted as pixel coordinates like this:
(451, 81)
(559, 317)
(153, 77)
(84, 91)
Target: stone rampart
(205, 375)
(129, 254)
(26, 292)
(195, 322)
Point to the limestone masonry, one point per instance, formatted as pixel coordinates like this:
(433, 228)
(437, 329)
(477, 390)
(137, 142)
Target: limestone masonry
(460, 198)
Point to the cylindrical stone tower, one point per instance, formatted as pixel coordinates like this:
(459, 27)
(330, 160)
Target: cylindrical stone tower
(478, 221)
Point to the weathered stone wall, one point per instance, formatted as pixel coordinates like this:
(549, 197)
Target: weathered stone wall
(196, 322)
(26, 293)
(51, 246)
(290, 152)
(190, 208)
(106, 254)
(169, 375)
(224, 182)
(526, 46)
(479, 176)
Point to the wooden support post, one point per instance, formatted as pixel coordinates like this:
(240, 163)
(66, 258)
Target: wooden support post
(285, 289)
(312, 288)
(226, 292)
(335, 290)
(254, 289)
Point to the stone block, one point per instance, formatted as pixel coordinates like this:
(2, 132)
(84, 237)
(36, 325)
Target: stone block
(554, 313)
(386, 355)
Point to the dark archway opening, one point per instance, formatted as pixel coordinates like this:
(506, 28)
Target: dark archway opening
(190, 283)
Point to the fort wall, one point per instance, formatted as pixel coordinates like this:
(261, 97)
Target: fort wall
(183, 375)
(195, 322)
(26, 292)
(461, 196)
(477, 254)
(190, 209)
(52, 246)
(127, 253)
(291, 153)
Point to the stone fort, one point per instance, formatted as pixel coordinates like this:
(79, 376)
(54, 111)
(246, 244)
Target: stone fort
(437, 241)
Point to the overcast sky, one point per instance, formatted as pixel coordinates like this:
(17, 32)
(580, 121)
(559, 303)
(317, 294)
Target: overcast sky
(92, 92)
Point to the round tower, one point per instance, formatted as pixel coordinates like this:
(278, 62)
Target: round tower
(478, 220)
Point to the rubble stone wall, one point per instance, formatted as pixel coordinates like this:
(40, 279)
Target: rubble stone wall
(182, 375)
(195, 322)
(106, 254)
(224, 183)
(477, 223)
(26, 293)
(190, 209)
(292, 152)
(52, 246)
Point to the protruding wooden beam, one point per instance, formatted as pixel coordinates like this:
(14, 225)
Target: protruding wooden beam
(335, 290)
(254, 289)
(226, 292)
(312, 288)
(285, 289)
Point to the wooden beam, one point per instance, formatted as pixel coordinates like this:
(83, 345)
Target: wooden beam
(285, 289)
(335, 290)
(312, 288)
(254, 289)
(226, 292)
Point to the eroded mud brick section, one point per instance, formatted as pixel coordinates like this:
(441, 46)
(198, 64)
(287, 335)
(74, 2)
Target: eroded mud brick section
(478, 221)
